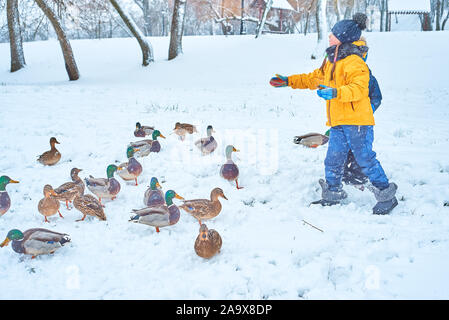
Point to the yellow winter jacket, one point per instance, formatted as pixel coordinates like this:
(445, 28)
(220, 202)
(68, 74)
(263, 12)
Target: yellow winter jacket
(351, 78)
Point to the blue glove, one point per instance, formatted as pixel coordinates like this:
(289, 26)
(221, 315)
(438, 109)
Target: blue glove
(279, 81)
(327, 93)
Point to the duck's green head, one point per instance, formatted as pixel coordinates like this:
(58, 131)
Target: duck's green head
(130, 152)
(154, 184)
(110, 170)
(210, 130)
(157, 133)
(138, 125)
(12, 235)
(4, 180)
(230, 149)
(169, 195)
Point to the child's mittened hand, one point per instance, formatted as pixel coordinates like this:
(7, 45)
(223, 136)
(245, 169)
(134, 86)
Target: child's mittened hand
(279, 81)
(327, 93)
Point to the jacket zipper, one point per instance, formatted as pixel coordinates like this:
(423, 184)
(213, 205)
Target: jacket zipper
(329, 113)
(352, 106)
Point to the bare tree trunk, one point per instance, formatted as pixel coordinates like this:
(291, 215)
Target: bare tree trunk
(445, 19)
(70, 63)
(177, 28)
(264, 18)
(348, 9)
(321, 26)
(147, 50)
(337, 12)
(15, 36)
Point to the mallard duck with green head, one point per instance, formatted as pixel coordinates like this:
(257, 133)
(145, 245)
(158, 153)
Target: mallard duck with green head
(154, 195)
(208, 144)
(142, 131)
(104, 187)
(51, 156)
(312, 140)
(146, 146)
(159, 216)
(229, 170)
(208, 243)
(204, 209)
(68, 191)
(132, 169)
(5, 200)
(35, 241)
(49, 206)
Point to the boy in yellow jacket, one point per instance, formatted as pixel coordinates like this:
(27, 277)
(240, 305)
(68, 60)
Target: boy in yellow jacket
(343, 81)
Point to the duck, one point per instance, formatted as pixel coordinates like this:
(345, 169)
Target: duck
(159, 216)
(68, 191)
(52, 156)
(148, 145)
(208, 243)
(89, 205)
(204, 209)
(154, 196)
(142, 131)
(36, 241)
(229, 170)
(104, 187)
(209, 144)
(49, 206)
(5, 200)
(132, 169)
(312, 140)
(181, 129)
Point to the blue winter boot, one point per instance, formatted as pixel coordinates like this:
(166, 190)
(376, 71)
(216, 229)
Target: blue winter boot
(330, 197)
(386, 199)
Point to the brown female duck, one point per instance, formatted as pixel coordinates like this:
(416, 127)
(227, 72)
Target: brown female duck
(68, 191)
(52, 156)
(89, 205)
(181, 129)
(204, 209)
(49, 206)
(208, 243)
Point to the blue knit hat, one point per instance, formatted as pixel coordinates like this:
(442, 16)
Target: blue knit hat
(350, 30)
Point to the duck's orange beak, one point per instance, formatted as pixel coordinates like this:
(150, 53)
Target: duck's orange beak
(235, 150)
(135, 150)
(162, 136)
(13, 181)
(177, 196)
(158, 185)
(224, 196)
(5, 243)
(53, 193)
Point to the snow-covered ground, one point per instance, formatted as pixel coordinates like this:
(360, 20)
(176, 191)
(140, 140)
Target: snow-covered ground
(268, 252)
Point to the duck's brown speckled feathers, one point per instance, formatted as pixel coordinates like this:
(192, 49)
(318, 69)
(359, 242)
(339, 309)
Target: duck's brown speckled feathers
(69, 190)
(89, 205)
(48, 206)
(204, 209)
(181, 129)
(208, 243)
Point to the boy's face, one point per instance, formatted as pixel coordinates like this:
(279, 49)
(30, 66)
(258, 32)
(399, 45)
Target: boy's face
(333, 40)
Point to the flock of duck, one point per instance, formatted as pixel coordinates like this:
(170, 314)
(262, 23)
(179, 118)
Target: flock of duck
(159, 210)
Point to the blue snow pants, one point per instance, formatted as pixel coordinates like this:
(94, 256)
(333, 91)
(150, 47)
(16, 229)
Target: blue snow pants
(359, 139)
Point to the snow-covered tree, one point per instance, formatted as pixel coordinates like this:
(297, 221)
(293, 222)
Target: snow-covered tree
(70, 63)
(177, 28)
(147, 50)
(15, 36)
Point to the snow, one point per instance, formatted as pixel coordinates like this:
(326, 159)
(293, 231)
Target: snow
(281, 4)
(409, 5)
(268, 252)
